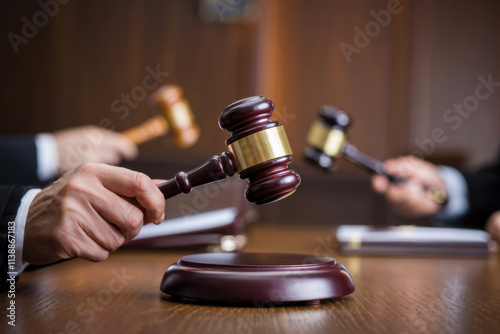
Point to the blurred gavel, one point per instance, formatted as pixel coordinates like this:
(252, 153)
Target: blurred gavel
(327, 143)
(258, 150)
(175, 114)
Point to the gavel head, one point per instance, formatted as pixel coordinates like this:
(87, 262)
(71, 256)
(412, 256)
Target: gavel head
(178, 114)
(260, 149)
(327, 137)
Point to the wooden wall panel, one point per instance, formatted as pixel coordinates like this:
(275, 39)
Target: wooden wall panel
(91, 52)
(396, 89)
(453, 43)
(303, 67)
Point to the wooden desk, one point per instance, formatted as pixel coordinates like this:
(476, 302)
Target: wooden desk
(393, 295)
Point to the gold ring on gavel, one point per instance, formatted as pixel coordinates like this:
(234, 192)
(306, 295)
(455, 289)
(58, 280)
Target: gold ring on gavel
(260, 147)
(326, 139)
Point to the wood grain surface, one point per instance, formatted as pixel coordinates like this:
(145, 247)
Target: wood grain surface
(393, 295)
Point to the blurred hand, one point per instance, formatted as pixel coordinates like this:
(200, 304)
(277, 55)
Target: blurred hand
(410, 200)
(90, 212)
(493, 226)
(91, 144)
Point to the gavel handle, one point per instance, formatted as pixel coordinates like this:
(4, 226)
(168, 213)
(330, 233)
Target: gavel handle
(368, 162)
(216, 168)
(150, 129)
(354, 155)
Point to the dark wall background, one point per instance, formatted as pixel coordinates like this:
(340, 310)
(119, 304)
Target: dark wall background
(396, 88)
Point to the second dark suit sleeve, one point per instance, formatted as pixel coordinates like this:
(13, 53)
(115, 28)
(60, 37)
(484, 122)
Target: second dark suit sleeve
(483, 194)
(19, 161)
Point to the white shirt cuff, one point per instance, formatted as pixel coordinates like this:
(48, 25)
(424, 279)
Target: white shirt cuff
(20, 221)
(456, 189)
(47, 156)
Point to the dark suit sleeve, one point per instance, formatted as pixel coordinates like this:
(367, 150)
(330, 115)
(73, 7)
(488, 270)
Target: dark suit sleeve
(483, 194)
(19, 161)
(10, 200)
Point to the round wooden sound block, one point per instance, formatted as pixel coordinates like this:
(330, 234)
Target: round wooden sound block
(257, 277)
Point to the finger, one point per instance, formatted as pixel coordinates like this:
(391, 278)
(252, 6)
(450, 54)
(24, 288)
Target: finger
(411, 201)
(380, 183)
(102, 232)
(105, 154)
(150, 198)
(405, 199)
(79, 244)
(123, 145)
(399, 194)
(93, 223)
(493, 226)
(494, 231)
(392, 165)
(106, 227)
(112, 153)
(400, 167)
(159, 181)
(90, 250)
(134, 185)
(146, 218)
(114, 209)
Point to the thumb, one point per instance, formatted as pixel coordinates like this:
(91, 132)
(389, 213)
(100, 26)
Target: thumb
(158, 181)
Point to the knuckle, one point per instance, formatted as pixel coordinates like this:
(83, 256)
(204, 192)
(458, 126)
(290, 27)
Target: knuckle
(89, 168)
(142, 182)
(60, 248)
(93, 252)
(68, 242)
(134, 219)
(74, 184)
(65, 206)
(115, 242)
(65, 244)
(119, 241)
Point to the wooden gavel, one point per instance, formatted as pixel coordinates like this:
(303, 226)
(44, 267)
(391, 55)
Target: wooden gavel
(327, 142)
(258, 150)
(175, 114)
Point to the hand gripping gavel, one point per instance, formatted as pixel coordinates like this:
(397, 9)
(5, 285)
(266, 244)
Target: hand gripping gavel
(175, 114)
(327, 143)
(258, 150)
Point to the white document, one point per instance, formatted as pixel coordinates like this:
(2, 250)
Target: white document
(187, 224)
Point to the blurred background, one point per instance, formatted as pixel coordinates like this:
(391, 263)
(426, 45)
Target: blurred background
(397, 67)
